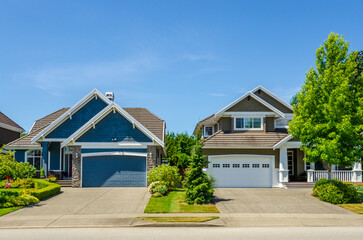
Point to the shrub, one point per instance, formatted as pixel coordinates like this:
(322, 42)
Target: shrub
(320, 182)
(157, 194)
(45, 189)
(16, 170)
(199, 185)
(42, 172)
(158, 187)
(23, 200)
(166, 174)
(336, 192)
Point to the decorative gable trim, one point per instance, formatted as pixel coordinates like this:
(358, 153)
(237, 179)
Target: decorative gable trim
(250, 93)
(273, 96)
(283, 141)
(70, 112)
(113, 107)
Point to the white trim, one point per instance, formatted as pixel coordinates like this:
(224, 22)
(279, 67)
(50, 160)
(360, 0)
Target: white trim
(118, 153)
(241, 155)
(86, 145)
(236, 147)
(23, 148)
(32, 126)
(249, 114)
(205, 131)
(53, 139)
(41, 157)
(71, 111)
(11, 128)
(294, 144)
(273, 95)
(246, 129)
(284, 140)
(48, 162)
(103, 113)
(250, 93)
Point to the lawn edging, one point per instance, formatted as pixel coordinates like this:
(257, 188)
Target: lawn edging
(49, 190)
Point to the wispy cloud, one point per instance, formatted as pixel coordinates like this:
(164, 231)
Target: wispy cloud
(55, 80)
(196, 57)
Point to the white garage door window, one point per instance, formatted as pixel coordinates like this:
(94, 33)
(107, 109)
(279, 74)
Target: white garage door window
(242, 170)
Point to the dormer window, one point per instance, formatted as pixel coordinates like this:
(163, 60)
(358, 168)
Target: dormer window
(208, 131)
(248, 123)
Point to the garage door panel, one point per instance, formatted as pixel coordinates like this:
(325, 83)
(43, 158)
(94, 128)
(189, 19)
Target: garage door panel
(114, 171)
(241, 171)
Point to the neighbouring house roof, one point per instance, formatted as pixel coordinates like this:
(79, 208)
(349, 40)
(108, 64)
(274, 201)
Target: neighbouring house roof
(244, 139)
(38, 126)
(7, 123)
(149, 120)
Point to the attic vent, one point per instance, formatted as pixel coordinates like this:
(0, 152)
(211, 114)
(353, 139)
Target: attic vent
(110, 96)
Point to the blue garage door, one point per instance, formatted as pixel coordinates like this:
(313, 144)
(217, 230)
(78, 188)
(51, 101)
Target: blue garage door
(114, 171)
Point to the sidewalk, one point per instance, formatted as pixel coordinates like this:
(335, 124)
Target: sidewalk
(225, 220)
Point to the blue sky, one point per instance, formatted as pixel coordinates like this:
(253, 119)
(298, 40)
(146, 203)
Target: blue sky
(183, 60)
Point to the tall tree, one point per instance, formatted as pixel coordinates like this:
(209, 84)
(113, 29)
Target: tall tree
(329, 116)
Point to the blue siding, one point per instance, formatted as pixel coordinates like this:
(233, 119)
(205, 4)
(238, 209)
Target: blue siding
(20, 155)
(79, 118)
(114, 126)
(114, 171)
(138, 150)
(54, 149)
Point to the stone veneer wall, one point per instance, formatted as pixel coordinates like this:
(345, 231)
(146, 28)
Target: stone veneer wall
(76, 167)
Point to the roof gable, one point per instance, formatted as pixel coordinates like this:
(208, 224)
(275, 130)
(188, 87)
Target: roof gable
(7, 123)
(272, 99)
(248, 105)
(110, 109)
(91, 104)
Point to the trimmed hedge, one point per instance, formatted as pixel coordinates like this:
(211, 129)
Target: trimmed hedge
(45, 189)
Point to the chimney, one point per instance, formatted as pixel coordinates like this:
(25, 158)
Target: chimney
(110, 96)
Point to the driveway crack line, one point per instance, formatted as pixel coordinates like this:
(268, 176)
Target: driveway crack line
(92, 201)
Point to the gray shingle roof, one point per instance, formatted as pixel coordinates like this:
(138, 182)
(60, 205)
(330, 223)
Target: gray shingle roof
(6, 120)
(38, 126)
(244, 139)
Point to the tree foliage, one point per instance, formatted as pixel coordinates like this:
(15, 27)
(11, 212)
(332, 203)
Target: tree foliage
(329, 116)
(178, 149)
(199, 185)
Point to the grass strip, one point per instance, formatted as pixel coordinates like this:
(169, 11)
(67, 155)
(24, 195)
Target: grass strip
(174, 203)
(177, 219)
(4, 211)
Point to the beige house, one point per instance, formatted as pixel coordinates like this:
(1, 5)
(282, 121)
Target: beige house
(248, 145)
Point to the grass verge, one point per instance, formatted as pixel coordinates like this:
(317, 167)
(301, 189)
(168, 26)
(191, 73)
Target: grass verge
(354, 207)
(177, 219)
(174, 203)
(4, 211)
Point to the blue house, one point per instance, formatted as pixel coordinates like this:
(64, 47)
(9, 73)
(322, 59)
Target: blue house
(96, 143)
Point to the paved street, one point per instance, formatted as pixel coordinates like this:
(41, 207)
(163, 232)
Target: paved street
(336, 233)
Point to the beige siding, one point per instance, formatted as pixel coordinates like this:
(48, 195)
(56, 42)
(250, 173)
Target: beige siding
(272, 101)
(275, 153)
(225, 124)
(251, 105)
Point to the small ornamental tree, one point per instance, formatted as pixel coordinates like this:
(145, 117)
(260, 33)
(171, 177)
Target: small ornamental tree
(199, 186)
(328, 110)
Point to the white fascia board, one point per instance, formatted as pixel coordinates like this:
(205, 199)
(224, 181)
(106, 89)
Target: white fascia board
(87, 145)
(136, 154)
(236, 147)
(273, 95)
(11, 128)
(231, 104)
(98, 117)
(71, 111)
(284, 140)
(268, 105)
(249, 114)
(54, 139)
(32, 126)
(23, 148)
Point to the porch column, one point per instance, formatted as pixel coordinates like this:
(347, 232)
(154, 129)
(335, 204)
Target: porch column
(284, 169)
(357, 172)
(45, 157)
(76, 166)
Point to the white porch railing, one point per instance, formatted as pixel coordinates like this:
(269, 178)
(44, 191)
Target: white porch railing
(342, 175)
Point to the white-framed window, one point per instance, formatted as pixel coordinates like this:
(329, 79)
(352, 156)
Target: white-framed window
(253, 123)
(34, 158)
(208, 131)
(282, 122)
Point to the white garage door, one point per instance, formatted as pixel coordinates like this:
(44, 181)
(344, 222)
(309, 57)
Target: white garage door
(242, 171)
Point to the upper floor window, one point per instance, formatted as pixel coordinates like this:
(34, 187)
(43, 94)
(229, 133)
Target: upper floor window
(248, 123)
(282, 122)
(208, 131)
(34, 158)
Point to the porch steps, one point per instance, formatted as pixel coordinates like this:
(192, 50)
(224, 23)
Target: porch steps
(65, 183)
(299, 185)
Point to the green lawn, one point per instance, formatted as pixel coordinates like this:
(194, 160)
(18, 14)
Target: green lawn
(4, 211)
(355, 207)
(177, 219)
(174, 203)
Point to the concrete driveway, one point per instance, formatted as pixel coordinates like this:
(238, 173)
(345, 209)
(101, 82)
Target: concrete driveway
(89, 201)
(273, 200)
